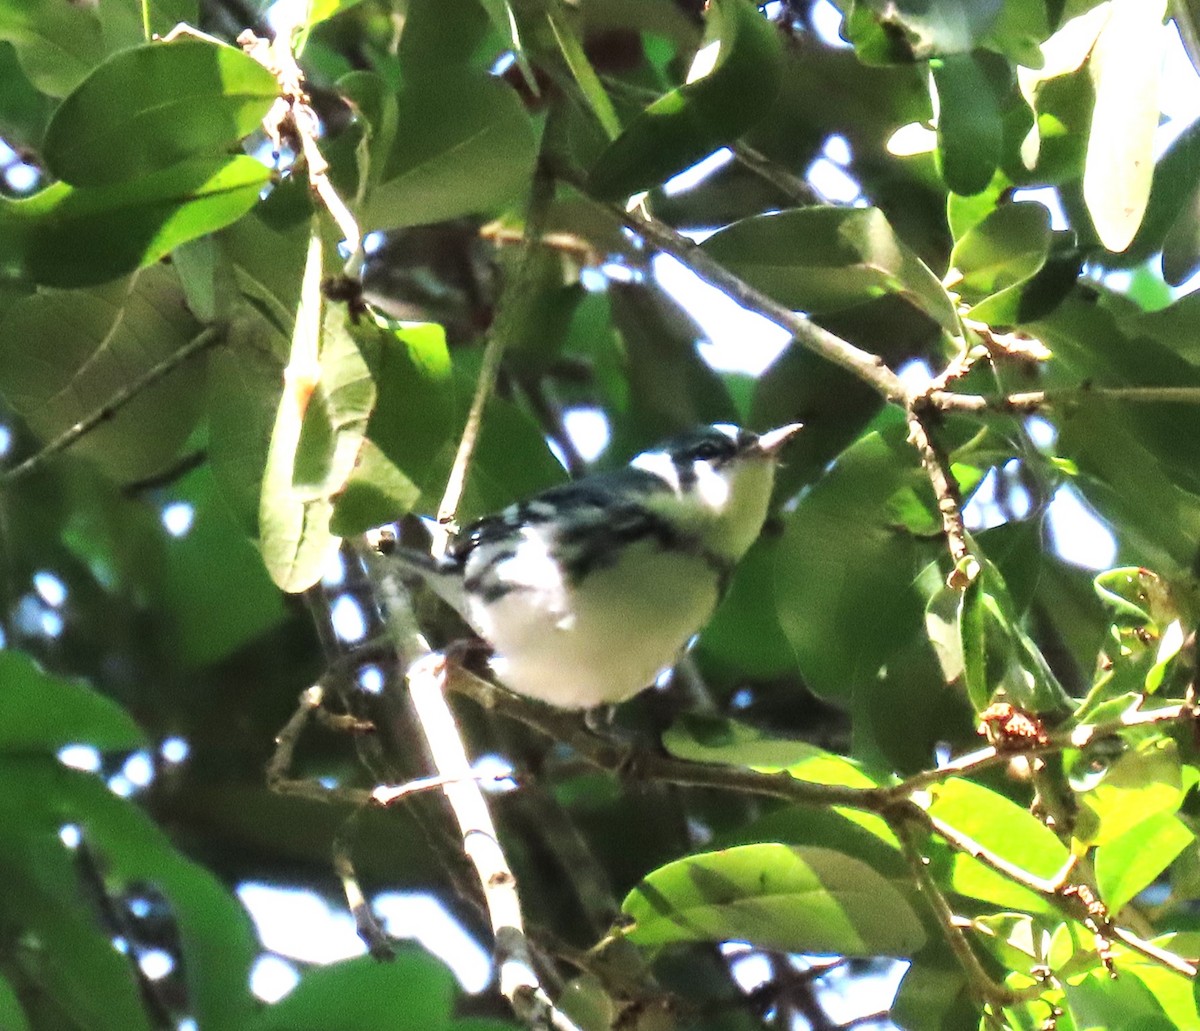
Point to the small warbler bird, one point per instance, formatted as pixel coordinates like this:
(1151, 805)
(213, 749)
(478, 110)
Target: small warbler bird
(588, 591)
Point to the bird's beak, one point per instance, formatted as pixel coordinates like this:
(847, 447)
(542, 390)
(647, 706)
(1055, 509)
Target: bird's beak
(772, 441)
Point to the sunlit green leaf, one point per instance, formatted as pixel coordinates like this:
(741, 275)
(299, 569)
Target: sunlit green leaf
(154, 106)
(57, 44)
(789, 899)
(319, 427)
(1006, 830)
(700, 739)
(1126, 66)
(1141, 783)
(1005, 248)
(1130, 862)
(68, 236)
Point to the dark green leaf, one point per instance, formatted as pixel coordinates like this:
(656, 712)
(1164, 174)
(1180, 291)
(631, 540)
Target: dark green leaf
(216, 591)
(843, 564)
(42, 713)
(780, 898)
(970, 132)
(1181, 246)
(710, 111)
(66, 354)
(412, 992)
(823, 259)
(66, 236)
(12, 1017)
(934, 995)
(154, 106)
(920, 29)
(38, 798)
(463, 145)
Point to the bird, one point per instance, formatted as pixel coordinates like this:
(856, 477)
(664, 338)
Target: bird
(585, 593)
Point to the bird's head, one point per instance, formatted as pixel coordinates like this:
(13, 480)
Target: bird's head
(720, 479)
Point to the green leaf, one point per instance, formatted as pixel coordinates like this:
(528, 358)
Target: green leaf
(412, 992)
(1144, 782)
(42, 713)
(743, 638)
(68, 236)
(463, 145)
(1007, 831)
(670, 387)
(1136, 597)
(38, 798)
(1132, 861)
(12, 1016)
(319, 427)
(66, 354)
(733, 81)
(1006, 248)
(57, 44)
(1100, 1002)
(822, 259)
(777, 897)
(1173, 196)
(843, 564)
(154, 106)
(934, 994)
(216, 593)
(415, 418)
(919, 29)
(706, 739)
(377, 492)
(1181, 245)
(970, 131)
(1126, 66)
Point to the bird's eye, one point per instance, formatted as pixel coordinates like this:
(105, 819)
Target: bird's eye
(706, 451)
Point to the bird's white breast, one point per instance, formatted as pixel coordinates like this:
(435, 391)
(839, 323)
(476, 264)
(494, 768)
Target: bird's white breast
(603, 641)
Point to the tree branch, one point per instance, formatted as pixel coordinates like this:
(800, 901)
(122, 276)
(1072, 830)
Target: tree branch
(869, 368)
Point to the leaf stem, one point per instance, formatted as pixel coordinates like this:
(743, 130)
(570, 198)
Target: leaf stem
(207, 338)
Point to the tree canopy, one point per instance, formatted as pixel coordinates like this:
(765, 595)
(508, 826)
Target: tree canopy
(275, 278)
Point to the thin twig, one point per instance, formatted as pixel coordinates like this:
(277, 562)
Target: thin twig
(949, 500)
(982, 985)
(539, 202)
(365, 923)
(1035, 400)
(791, 186)
(869, 368)
(291, 117)
(427, 676)
(203, 340)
